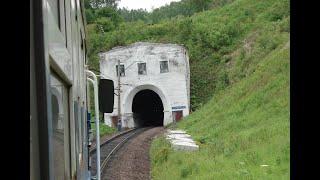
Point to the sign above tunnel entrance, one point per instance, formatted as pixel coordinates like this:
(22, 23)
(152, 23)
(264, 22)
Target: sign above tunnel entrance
(178, 107)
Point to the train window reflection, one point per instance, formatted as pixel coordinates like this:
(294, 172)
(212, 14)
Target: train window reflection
(55, 7)
(59, 105)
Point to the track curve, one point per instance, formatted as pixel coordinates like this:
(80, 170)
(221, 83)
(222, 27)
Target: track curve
(110, 147)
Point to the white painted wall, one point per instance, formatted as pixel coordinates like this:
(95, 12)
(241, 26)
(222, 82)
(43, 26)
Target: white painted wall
(173, 87)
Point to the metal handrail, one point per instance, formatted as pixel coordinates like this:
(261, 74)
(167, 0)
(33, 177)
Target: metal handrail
(96, 107)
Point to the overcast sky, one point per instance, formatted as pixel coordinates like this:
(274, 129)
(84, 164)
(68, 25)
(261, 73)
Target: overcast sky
(144, 4)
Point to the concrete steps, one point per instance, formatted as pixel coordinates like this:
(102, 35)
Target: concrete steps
(180, 140)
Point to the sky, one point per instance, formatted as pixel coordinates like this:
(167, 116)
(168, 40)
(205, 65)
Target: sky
(144, 4)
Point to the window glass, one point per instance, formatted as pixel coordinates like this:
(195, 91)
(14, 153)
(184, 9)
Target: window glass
(76, 120)
(56, 10)
(76, 11)
(164, 67)
(142, 68)
(122, 73)
(60, 116)
(79, 134)
(83, 128)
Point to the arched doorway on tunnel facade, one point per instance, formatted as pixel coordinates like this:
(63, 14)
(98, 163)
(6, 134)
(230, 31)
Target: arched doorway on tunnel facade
(144, 95)
(147, 109)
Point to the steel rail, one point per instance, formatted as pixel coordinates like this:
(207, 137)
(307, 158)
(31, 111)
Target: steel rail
(105, 161)
(134, 132)
(91, 151)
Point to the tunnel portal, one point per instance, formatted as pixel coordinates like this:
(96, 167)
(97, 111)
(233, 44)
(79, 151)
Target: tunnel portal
(147, 109)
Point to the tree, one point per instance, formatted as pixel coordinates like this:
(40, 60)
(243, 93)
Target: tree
(110, 13)
(87, 4)
(105, 23)
(103, 3)
(90, 15)
(200, 5)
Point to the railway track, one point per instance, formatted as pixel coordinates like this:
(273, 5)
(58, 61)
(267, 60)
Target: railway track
(110, 147)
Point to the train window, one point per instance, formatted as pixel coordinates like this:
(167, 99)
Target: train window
(56, 10)
(81, 46)
(62, 17)
(78, 129)
(81, 40)
(76, 119)
(60, 124)
(65, 22)
(83, 128)
(76, 10)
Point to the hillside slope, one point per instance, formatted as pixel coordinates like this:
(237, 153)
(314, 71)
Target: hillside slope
(238, 130)
(224, 44)
(243, 130)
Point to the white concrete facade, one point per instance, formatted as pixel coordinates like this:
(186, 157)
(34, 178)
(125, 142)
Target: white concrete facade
(173, 87)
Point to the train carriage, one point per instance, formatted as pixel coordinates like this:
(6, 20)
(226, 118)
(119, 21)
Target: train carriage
(58, 99)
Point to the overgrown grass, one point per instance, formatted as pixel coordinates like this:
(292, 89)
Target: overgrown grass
(103, 128)
(239, 130)
(245, 122)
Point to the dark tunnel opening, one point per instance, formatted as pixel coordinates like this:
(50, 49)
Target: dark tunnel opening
(147, 109)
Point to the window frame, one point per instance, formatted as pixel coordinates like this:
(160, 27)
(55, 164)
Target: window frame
(124, 70)
(144, 66)
(167, 69)
(60, 18)
(65, 100)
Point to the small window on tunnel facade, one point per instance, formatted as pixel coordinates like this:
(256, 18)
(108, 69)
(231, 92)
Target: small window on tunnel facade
(142, 68)
(122, 73)
(164, 67)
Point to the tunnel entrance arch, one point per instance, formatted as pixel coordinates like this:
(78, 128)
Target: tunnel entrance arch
(147, 109)
(128, 100)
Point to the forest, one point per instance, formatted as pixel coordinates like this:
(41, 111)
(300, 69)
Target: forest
(208, 43)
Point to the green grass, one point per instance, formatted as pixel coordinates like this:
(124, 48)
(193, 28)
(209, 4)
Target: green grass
(104, 129)
(238, 130)
(245, 122)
